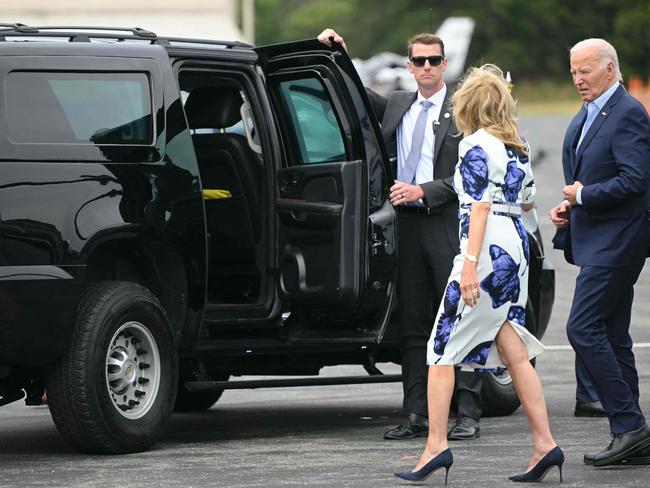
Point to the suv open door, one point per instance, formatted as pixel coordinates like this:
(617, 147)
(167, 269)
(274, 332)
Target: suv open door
(336, 262)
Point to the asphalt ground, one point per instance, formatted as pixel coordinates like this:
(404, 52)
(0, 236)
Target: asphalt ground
(332, 436)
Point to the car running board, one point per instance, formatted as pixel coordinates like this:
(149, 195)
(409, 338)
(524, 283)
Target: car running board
(197, 386)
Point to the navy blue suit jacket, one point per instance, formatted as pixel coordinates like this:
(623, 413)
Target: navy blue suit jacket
(610, 228)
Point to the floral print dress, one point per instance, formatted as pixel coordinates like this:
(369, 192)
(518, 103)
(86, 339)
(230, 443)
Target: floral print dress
(487, 171)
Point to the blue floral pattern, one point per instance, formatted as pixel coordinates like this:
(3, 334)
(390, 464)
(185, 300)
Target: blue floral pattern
(518, 314)
(502, 284)
(523, 235)
(487, 171)
(474, 171)
(447, 318)
(512, 183)
(514, 154)
(528, 192)
(479, 354)
(464, 226)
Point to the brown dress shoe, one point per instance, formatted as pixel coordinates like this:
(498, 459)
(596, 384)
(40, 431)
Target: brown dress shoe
(415, 426)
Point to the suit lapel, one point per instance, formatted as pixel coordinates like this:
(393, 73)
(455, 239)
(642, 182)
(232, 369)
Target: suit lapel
(444, 122)
(393, 116)
(595, 126)
(574, 135)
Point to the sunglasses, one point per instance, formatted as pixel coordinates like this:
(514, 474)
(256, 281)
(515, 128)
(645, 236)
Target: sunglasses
(420, 60)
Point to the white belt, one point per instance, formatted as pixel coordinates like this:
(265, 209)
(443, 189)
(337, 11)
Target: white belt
(504, 208)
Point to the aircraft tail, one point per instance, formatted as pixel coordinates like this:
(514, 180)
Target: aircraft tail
(456, 33)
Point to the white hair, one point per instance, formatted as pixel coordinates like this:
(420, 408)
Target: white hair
(606, 53)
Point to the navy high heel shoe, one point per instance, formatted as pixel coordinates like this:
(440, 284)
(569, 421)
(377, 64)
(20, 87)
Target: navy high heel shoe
(554, 457)
(443, 460)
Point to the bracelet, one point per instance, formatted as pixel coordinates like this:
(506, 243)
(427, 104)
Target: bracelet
(471, 258)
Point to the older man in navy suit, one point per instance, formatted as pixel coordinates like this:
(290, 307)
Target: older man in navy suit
(606, 162)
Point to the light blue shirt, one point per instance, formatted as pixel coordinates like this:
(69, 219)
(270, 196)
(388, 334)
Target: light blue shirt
(424, 171)
(593, 108)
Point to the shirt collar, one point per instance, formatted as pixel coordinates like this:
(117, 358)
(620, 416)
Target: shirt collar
(437, 98)
(600, 102)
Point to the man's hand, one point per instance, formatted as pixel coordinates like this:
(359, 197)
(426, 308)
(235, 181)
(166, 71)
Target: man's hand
(560, 214)
(571, 191)
(329, 35)
(402, 193)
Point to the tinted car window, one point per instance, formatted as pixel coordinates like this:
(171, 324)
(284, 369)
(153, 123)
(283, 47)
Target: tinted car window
(79, 108)
(315, 126)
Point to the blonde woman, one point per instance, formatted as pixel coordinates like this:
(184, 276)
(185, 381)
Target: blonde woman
(480, 324)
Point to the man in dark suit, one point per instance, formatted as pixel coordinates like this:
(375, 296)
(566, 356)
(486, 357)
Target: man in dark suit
(604, 217)
(423, 140)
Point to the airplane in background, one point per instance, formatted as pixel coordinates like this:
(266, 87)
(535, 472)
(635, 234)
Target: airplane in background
(386, 71)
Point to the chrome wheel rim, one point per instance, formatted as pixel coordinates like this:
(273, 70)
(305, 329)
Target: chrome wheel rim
(132, 370)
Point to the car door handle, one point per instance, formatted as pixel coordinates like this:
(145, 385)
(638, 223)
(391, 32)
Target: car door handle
(309, 214)
(289, 182)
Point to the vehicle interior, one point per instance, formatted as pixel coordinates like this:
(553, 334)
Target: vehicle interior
(231, 170)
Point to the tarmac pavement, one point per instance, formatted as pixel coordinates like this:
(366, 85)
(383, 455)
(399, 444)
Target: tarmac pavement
(332, 436)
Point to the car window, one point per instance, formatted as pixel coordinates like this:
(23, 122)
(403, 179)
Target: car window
(79, 108)
(318, 135)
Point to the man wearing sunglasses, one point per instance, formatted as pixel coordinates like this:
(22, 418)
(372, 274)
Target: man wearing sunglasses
(421, 135)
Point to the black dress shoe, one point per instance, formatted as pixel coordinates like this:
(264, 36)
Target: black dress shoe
(464, 429)
(638, 458)
(624, 446)
(589, 409)
(415, 426)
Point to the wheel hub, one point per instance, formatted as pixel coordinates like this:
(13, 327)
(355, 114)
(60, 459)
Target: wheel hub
(132, 370)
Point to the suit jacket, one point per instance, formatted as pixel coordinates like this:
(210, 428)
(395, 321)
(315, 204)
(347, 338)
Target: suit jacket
(611, 227)
(439, 193)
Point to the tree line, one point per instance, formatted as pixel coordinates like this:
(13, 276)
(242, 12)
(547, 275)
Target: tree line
(530, 37)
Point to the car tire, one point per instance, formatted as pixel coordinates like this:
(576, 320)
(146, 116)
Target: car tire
(113, 391)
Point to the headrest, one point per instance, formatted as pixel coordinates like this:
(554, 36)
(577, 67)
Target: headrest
(213, 107)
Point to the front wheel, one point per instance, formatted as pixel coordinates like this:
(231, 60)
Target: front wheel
(114, 389)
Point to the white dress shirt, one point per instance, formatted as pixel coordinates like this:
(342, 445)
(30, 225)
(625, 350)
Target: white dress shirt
(424, 170)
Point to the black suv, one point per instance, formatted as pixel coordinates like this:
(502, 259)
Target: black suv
(174, 212)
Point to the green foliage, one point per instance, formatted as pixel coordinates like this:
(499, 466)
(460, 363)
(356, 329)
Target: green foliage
(530, 38)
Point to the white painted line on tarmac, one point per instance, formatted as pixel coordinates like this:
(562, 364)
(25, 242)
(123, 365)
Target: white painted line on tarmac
(567, 347)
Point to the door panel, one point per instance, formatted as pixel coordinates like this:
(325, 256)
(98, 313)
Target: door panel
(336, 259)
(318, 221)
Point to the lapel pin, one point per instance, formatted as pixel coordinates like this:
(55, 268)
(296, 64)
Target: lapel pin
(446, 116)
(604, 113)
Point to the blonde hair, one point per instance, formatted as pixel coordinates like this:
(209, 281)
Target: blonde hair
(483, 101)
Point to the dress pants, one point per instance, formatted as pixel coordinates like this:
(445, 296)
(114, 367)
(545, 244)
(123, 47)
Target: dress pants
(468, 394)
(598, 330)
(425, 262)
(585, 389)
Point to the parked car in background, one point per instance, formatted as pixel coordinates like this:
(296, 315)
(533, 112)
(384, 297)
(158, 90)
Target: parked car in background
(178, 212)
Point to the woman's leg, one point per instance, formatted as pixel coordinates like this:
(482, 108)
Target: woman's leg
(514, 355)
(440, 388)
